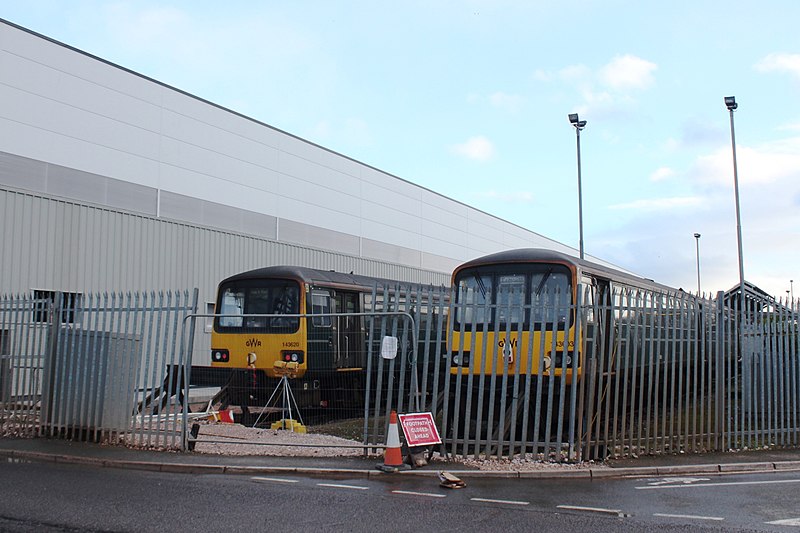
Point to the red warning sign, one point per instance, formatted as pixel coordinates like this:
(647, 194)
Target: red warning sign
(419, 429)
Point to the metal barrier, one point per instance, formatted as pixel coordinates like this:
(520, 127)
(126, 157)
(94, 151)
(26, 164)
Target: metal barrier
(345, 382)
(78, 367)
(625, 373)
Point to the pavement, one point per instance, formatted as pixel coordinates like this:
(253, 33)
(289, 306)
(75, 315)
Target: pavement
(87, 453)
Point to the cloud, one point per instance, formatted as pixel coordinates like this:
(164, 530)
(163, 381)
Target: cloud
(659, 204)
(780, 63)
(477, 148)
(628, 72)
(608, 89)
(767, 163)
(662, 174)
(655, 236)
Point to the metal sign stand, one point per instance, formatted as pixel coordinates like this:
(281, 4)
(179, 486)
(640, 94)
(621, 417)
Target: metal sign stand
(286, 371)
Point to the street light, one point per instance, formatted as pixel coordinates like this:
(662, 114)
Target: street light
(730, 103)
(697, 240)
(579, 125)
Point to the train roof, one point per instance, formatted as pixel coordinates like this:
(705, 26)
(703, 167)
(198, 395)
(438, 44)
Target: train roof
(525, 255)
(312, 276)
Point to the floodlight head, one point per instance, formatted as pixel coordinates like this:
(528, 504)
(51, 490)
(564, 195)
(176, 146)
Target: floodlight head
(696, 235)
(573, 118)
(581, 124)
(730, 103)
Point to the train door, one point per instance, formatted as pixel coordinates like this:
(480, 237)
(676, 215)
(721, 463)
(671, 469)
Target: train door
(605, 315)
(321, 331)
(598, 318)
(348, 331)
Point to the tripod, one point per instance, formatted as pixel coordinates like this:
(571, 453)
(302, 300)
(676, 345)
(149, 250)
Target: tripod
(283, 392)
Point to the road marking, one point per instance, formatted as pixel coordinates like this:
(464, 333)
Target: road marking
(688, 516)
(274, 479)
(684, 480)
(726, 484)
(337, 486)
(787, 522)
(507, 502)
(412, 493)
(615, 512)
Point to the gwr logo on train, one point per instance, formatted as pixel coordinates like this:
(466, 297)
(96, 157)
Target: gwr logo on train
(252, 343)
(507, 348)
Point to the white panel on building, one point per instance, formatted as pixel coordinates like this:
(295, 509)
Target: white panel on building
(111, 180)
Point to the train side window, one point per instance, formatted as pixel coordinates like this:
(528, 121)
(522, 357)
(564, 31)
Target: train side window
(210, 308)
(588, 287)
(321, 304)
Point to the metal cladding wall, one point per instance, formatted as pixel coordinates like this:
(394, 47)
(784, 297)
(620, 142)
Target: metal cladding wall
(75, 126)
(52, 244)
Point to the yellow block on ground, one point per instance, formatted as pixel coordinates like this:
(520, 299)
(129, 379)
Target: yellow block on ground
(291, 425)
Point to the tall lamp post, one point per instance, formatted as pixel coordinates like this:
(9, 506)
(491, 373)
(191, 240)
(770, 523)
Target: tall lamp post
(697, 240)
(579, 125)
(730, 103)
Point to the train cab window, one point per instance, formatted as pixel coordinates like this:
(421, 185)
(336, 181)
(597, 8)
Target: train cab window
(510, 298)
(507, 296)
(283, 302)
(232, 306)
(550, 296)
(259, 297)
(474, 292)
(320, 304)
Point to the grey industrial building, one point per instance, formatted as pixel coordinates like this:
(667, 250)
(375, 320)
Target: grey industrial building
(112, 181)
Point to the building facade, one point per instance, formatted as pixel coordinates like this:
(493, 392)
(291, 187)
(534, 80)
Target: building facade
(112, 181)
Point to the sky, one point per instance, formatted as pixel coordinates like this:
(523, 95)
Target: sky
(470, 99)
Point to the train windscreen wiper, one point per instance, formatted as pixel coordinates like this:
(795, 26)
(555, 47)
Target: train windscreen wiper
(544, 280)
(480, 283)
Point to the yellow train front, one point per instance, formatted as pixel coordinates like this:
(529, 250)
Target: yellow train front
(523, 325)
(514, 313)
(513, 341)
(266, 316)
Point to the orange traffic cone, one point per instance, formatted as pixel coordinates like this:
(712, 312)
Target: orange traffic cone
(392, 455)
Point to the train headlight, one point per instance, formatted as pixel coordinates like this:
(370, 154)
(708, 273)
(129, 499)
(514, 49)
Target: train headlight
(562, 359)
(219, 355)
(460, 359)
(292, 356)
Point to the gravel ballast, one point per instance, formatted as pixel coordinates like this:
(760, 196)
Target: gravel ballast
(217, 438)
